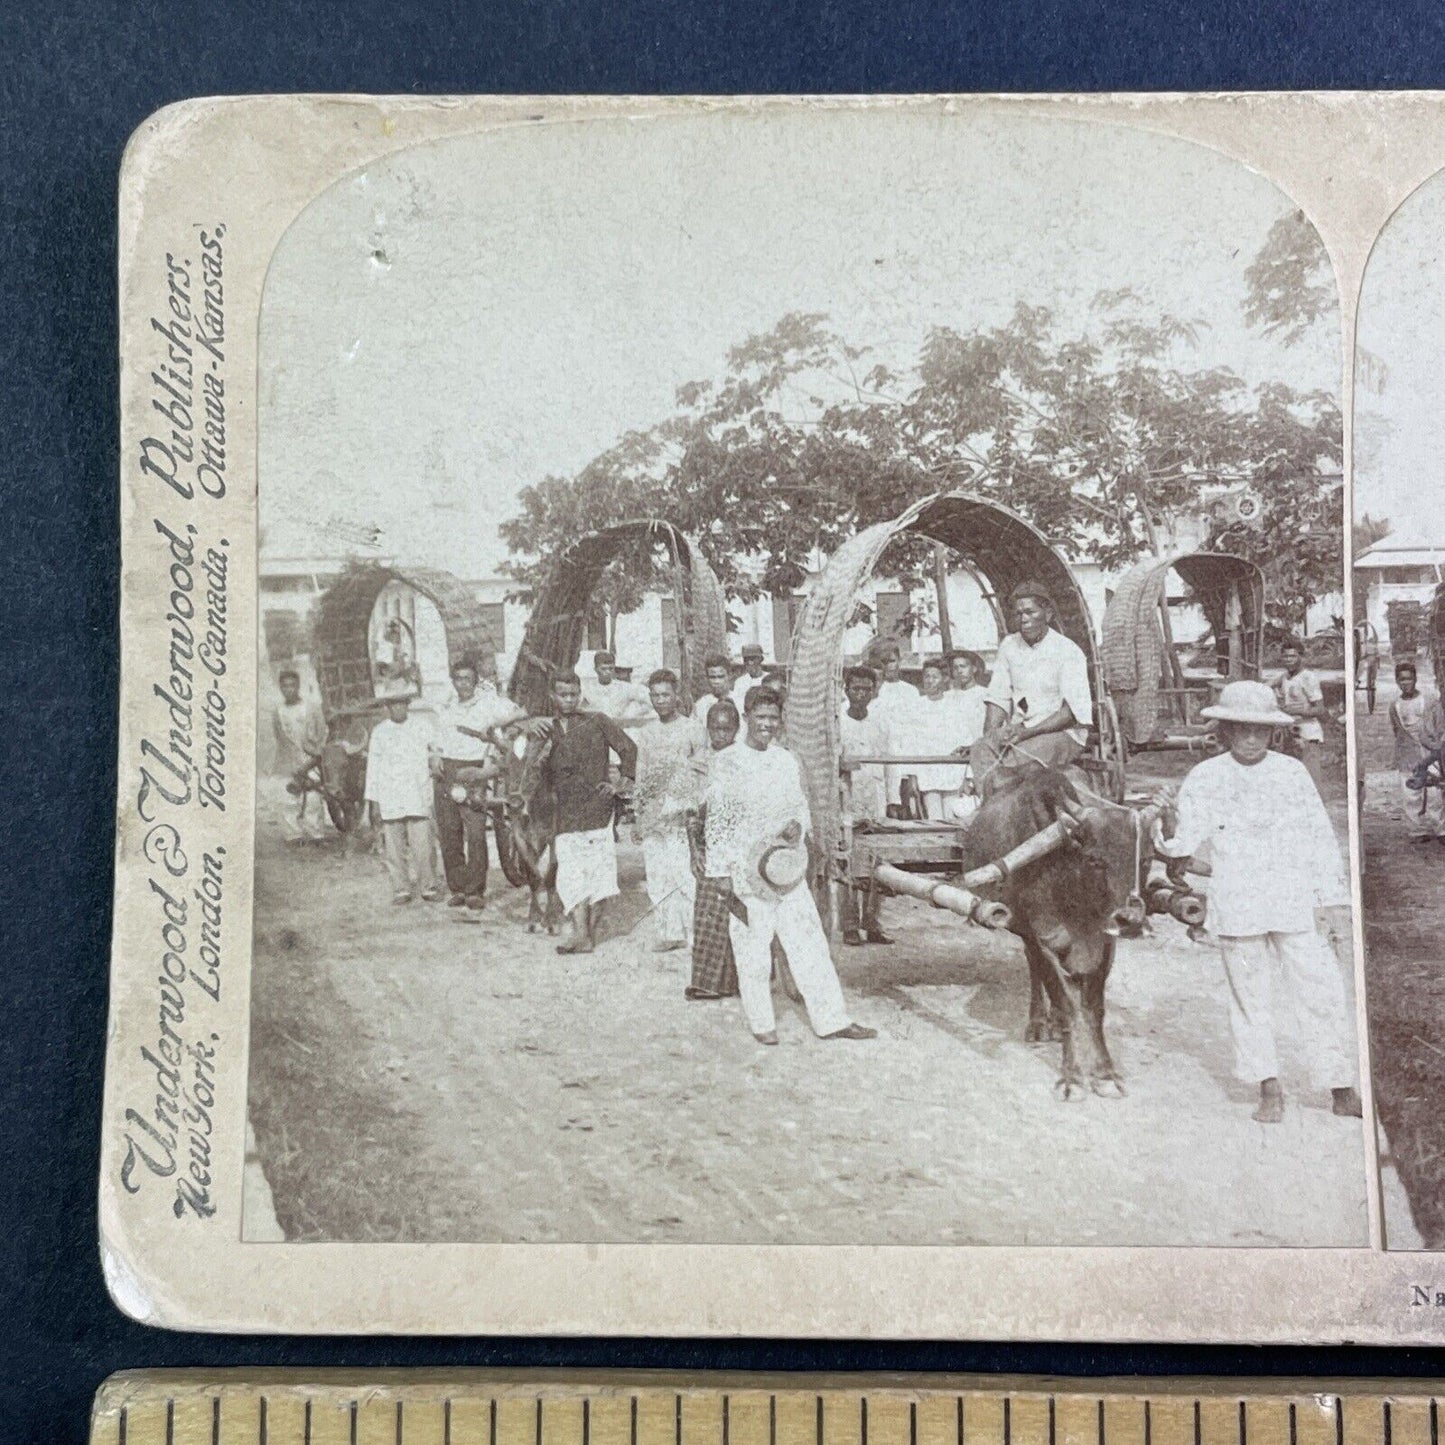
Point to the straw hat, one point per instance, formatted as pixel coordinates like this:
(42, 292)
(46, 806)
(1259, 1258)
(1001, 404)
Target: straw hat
(781, 866)
(1247, 702)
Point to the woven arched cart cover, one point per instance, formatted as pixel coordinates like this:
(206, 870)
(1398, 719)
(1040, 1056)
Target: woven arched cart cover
(342, 623)
(1436, 633)
(1133, 645)
(558, 624)
(997, 544)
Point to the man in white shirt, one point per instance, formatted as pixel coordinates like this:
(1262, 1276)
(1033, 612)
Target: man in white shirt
(399, 790)
(624, 702)
(863, 734)
(463, 739)
(1303, 699)
(749, 677)
(1274, 860)
(966, 674)
(719, 673)
(893, 699)
(756, 806)
(663, 794)
(1040, 702)
(936, 725)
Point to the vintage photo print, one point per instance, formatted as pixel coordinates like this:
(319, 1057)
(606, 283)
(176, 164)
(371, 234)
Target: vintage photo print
(746, 708)
(1399, 626)
(542, 488)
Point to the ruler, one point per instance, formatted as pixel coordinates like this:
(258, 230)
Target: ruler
(545, 1407)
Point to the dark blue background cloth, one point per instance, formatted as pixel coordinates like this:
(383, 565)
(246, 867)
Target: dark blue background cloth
(75, 79)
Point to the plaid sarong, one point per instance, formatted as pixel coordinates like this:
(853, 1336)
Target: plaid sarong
(713, 969)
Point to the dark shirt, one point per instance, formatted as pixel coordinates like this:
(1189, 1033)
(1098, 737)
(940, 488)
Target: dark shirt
(577, 764)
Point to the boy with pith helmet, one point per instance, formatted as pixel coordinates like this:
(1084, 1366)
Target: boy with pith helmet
(1257, 817)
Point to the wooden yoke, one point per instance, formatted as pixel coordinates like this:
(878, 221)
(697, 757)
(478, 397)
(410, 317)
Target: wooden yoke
(944, 895)
(1040, 845)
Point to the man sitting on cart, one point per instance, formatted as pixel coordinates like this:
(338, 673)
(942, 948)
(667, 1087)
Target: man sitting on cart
(1040, 702)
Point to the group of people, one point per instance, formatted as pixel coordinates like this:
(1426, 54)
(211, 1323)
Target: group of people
(717, 801)
(720, 811)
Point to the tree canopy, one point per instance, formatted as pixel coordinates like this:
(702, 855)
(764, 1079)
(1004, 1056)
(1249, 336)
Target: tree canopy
(1099, 437)
(1290, 284)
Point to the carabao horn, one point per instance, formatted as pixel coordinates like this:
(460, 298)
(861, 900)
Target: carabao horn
(1042, 843)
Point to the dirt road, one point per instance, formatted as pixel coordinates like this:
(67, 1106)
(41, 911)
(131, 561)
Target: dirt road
(419, 1077)
(1404, 895)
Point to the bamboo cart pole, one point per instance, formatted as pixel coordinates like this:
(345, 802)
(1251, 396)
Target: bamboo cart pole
(944, 895)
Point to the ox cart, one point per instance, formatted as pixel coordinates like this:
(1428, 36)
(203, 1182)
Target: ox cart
(342, 627)
(1158, 693)
(925, 859)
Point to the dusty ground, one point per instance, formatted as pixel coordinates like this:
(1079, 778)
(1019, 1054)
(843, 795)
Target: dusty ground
(1404, 895)
(419, 1077)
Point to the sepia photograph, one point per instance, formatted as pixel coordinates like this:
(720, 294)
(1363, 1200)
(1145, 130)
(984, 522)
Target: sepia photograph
(802, 690)
(1399, 629)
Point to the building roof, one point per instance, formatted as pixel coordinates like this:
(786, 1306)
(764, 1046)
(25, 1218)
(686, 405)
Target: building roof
(1382, 554)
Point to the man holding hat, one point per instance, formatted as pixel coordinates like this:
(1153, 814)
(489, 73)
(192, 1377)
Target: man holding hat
(605, 692)
(1257, 818)
(750, 677)
(1040, 702)
(757, 824)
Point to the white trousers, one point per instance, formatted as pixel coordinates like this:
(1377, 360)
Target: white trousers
(671, 887)
(406, 848)
(1298, 971)
(793, 921)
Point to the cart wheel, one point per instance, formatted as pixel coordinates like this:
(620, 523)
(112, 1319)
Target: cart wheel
(508, 859)
(1113, 751)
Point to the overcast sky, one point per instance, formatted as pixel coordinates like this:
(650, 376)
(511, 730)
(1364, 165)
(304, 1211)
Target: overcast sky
(1400, 419)
(464, 318)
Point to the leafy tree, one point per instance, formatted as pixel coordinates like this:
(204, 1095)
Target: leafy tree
(1290, 284)
(1099, 439)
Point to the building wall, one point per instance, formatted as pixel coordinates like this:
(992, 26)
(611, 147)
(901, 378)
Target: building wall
(1384, 585)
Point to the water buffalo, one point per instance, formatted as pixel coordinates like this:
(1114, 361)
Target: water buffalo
(341, 771)
(531, 826)
(1068, 908)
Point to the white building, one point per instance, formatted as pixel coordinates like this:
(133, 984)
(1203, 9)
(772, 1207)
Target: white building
(1399, 568)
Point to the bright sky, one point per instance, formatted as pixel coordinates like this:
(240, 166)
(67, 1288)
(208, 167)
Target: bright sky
(469, 316)
(1401, 426)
